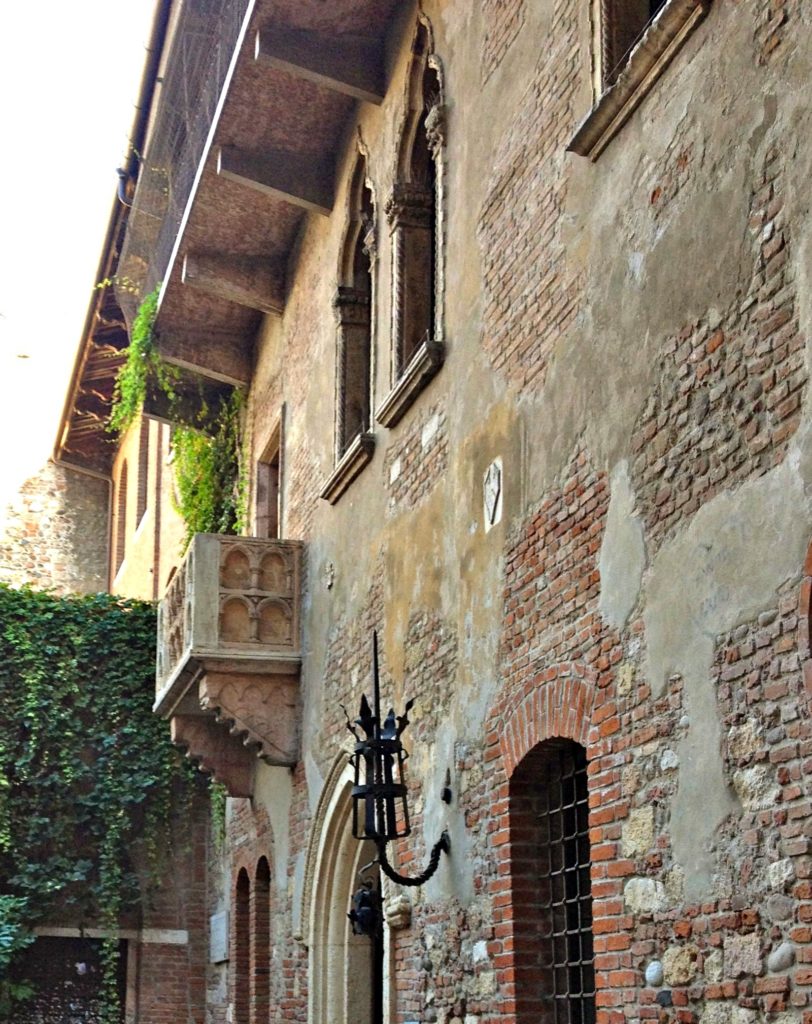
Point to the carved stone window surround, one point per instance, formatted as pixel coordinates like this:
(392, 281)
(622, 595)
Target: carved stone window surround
(353, 460)
(661, 41)
(416, 214)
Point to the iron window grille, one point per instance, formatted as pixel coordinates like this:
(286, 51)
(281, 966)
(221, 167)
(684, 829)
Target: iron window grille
(564, 880)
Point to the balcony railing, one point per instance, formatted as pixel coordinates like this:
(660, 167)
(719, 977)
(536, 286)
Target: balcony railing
(228, 653)
(203, 43)
(233, 599)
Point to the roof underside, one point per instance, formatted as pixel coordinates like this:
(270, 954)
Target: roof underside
(234, 165)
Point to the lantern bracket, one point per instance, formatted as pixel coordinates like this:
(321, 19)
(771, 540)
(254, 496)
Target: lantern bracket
(379, 792)
(443, 845)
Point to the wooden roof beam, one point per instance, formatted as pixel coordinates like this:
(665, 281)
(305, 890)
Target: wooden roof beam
(348, 64)
(287, 176)
(245, 280)
(222, 357)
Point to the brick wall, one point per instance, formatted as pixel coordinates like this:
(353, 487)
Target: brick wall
(732, 384)
(53, 535)
(503, 20)
(531, 292)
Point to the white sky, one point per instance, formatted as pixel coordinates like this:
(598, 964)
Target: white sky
(69, 80)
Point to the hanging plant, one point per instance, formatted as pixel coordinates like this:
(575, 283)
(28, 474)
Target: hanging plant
(144, 369)
(210, 465)
(210, 472)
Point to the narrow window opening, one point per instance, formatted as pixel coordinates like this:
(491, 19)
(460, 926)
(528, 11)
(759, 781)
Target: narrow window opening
(242, 949)
(143, 472)
(354, 311)
(121, 518)
(268, 496)
(261, 954)
(412, 213)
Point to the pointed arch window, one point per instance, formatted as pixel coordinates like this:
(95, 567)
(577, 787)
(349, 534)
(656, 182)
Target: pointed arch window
(354, 308)
(261, 944)
(242, 949)
(414, 211)
(623, 23)
(550, 877)
(143, 472)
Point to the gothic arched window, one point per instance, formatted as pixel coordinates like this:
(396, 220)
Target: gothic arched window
(414, 211)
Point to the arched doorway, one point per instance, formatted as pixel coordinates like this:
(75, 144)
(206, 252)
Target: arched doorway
(347, 971)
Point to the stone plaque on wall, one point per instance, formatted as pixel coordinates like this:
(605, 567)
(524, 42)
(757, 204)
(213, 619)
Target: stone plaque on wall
(218, 937)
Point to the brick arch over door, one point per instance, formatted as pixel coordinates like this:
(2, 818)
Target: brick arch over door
(563, 702)
(559, 705)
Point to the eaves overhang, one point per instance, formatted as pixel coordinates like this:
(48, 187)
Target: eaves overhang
(82, 437)
(288, 99)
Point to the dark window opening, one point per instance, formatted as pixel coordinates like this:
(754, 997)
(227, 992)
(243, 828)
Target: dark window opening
(354, 310)
(268, 498)
(261, 953)
(121, 518)
(413, 213)
(242, 949)
(143, 472)
(625, 23)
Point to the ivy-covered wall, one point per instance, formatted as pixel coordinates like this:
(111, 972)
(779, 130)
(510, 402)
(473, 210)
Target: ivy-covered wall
(89, 782)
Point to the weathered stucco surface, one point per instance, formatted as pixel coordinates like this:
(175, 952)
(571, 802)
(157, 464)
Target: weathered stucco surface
(629, 338)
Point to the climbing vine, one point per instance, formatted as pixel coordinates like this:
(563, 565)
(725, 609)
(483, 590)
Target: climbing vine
(144, 368)
(208, 458)
(210, 472)
(86, 770)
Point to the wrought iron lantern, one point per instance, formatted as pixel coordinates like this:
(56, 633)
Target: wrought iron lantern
(380, 805)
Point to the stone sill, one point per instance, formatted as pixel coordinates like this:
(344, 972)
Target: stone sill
(357, 456)
(648, 60)
(424, 364)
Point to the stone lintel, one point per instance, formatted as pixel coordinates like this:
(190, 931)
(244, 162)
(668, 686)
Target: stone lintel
(216, 752)
(282, 175)
(348, 64)
(423, 365)
(357, 456)
(246, 281)
(222, 357)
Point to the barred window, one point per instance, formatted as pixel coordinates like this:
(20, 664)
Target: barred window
(552, 899)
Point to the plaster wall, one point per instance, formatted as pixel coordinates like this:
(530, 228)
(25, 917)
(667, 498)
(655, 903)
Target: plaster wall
(629, 338)
(152, 536)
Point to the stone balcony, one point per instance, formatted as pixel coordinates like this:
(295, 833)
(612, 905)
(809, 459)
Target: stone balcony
(228, 660)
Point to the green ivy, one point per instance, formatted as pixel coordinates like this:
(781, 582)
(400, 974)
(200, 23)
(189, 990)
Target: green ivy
(210, 473)
(144, 369)
(210, 468)
(85, 769)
